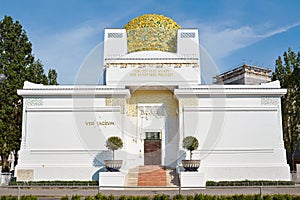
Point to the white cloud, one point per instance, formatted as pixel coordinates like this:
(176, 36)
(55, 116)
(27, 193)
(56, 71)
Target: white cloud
(222, 42)
(280, 30)
(223, 38)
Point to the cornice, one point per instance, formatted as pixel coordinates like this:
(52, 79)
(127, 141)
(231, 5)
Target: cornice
(75, 92)
(229, 91)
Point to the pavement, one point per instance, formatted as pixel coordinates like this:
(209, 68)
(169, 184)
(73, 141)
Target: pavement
(56, 193)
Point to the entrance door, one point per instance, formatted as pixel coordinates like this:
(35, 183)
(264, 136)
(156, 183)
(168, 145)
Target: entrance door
(152, 148)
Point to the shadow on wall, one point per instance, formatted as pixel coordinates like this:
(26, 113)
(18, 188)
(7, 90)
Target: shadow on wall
(182, 156)
(99, 162)
(95, 176)
(100, 157)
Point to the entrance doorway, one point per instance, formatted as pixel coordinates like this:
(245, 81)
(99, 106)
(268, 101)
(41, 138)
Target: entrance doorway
(152, 148)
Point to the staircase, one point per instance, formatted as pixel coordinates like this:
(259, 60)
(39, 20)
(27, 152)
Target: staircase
(132, 177)
(152, 175)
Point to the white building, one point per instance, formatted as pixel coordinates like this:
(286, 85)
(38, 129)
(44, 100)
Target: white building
(153, 90)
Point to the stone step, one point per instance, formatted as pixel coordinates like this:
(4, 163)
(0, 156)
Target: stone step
(152, 175)
(132, 177)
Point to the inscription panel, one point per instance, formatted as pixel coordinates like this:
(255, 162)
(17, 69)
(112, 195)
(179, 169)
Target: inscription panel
(25, 175)
(151, 73)
(142, 74)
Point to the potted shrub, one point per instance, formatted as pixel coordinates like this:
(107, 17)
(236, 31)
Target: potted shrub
(113, 143)
(190, 143)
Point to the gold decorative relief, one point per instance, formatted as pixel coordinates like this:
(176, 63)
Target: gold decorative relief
(116, 102)
(188, 102)
(165, 97)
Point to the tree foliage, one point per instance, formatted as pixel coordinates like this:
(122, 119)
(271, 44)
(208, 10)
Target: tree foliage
(190, 143)
(114, 143)
(18, 64)
(287, 71)
(52, 77)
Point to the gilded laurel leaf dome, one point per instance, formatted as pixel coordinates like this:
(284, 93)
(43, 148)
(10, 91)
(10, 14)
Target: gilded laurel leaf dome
(151, 32)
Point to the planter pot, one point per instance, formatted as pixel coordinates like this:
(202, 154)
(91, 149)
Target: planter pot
(5, 178)
(191, 165)
(113, 165)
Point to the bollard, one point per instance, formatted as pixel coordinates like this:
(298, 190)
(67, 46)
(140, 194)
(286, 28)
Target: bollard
(179, 189)
(260, 192)
(19, 192)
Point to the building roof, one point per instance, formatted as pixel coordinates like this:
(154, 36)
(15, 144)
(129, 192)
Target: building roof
(231, 76)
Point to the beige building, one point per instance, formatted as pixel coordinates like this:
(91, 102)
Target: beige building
(244, 75)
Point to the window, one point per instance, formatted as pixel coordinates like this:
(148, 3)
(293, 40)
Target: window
(152, 135)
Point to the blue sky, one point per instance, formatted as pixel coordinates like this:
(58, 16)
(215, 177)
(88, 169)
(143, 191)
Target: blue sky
(64, 32)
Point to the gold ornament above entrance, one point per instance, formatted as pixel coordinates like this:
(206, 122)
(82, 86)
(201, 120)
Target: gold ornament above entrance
(165, 97)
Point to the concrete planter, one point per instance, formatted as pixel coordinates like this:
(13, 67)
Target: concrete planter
(113, 165)
(111, 179)
(192, 179)
(191, 165)
(5, 178)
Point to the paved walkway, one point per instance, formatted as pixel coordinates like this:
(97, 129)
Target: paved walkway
(56, 193)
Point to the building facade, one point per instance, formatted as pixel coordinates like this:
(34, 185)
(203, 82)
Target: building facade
(245, 74)
(153, 92)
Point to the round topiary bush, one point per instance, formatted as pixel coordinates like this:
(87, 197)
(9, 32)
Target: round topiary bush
(190, 143)
(114, 143)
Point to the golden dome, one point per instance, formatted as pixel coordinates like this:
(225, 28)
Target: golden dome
(150, 32)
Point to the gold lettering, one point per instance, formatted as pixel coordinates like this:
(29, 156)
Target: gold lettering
(151, 72)
(100, 123)
(89, 123)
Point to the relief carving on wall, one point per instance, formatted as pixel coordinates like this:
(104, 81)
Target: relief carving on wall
(147, 111)
(188, 102)
(34, 102)
(25, 174)
(116, 102)
(269, 101)
(165, 97)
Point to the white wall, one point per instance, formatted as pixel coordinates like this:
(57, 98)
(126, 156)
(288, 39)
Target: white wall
(240, 138)
(240, 135)
(70, 129)
(188, 43)
(115, 43)
(152, 76)
(64, 138)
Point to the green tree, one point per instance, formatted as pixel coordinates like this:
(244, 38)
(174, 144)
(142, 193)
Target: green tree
(287, 71)
(52, 77)
(17, 63)
(114, 143)
(35, 73)
(190, 143)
